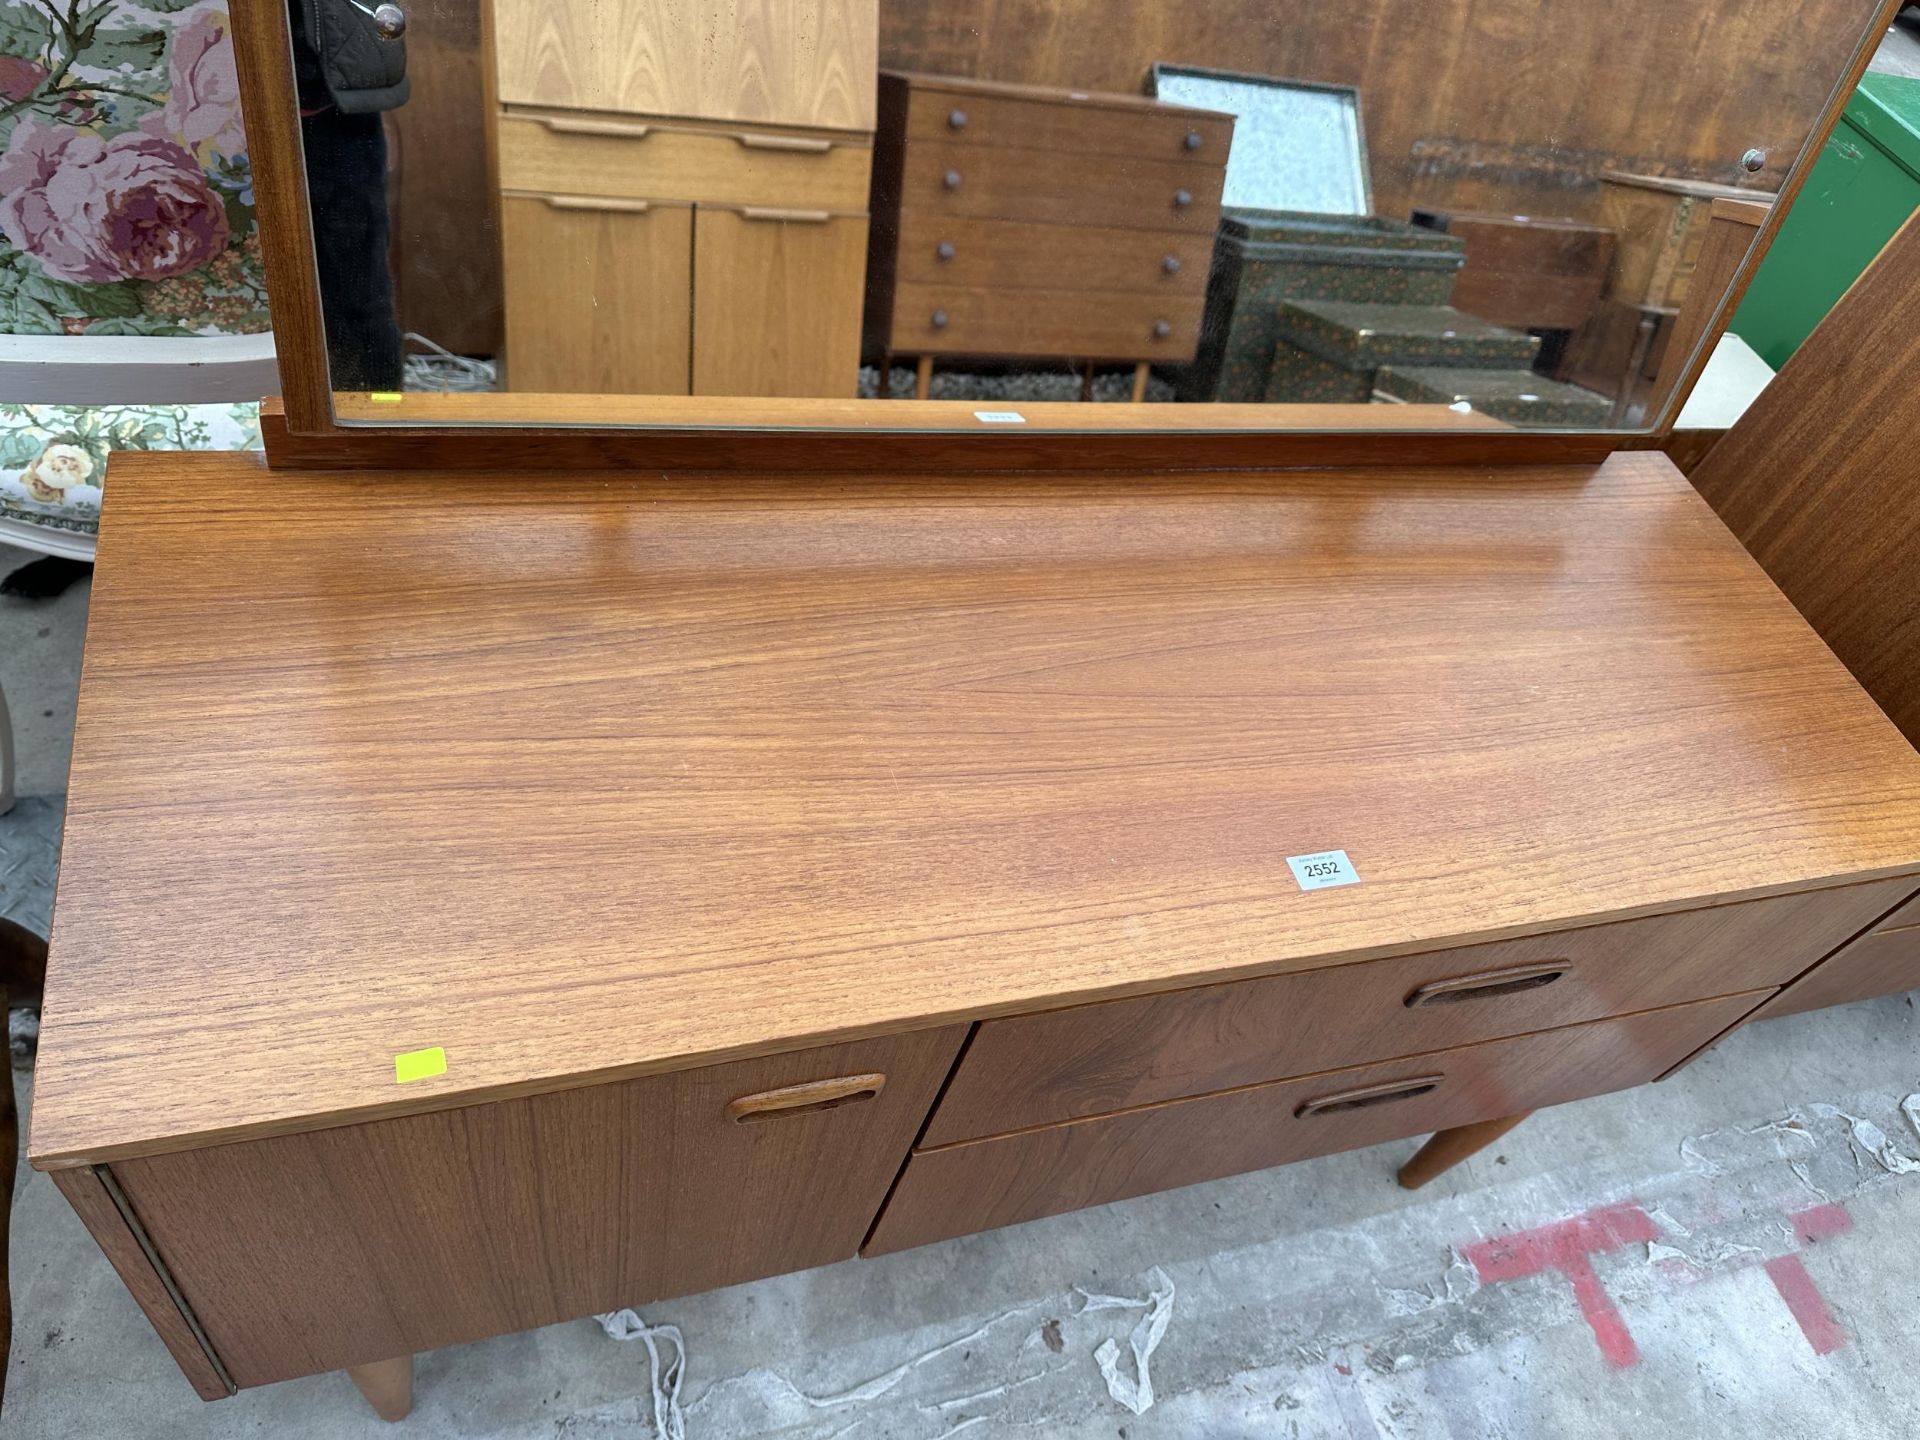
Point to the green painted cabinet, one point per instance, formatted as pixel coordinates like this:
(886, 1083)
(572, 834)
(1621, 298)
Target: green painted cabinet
(1865, 185)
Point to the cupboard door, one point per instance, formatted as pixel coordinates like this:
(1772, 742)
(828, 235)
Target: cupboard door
(598, 294)
(777, 301)
(315, 1251)
(980, 1184)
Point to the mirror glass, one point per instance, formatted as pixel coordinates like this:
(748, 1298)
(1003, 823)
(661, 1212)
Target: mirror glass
(1243, 214)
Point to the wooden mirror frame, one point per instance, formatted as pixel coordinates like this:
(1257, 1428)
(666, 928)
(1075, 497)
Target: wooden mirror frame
(300, 430)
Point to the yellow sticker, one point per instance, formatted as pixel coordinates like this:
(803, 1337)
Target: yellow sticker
(419, 1064)
(385, 397)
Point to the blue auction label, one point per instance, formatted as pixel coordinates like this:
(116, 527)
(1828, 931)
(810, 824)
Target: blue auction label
(1324, 870)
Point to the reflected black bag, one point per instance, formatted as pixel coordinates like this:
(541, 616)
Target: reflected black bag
(340, 58)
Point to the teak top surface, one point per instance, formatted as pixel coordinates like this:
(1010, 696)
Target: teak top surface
(595, 775)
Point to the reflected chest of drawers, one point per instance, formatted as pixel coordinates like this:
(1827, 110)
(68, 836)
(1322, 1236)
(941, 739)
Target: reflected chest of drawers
(1014, 221)
(685, 880)
(683, 194)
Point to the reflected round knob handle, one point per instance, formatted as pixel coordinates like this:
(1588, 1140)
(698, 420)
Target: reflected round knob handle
(389, 22)
(1193, 139)
(1161, 329)
(951, 179)
(957, 119)
(1171, 264)
(1182, 199)
(944, 250)
(939, 319)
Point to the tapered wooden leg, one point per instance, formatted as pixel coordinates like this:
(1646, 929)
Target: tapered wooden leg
(923, 378)
(6, 756)
(387, 1384)
(1448, 1148)
(883, 386)
(1140, 382)
(1086, 382)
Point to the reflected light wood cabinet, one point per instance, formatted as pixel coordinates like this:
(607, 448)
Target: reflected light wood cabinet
(683, 195)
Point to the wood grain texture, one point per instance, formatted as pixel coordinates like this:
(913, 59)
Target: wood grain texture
(599, 775)
(982, 1184)
(946, 319)
(270, 106)
(1880, 964)
(1102, 439)
(88, 1195)
(776, 62)
(726, 164)
(1703, 317)
(1008, 254)
(1817, 479)
(1508, 106)
(1036, 1069)
(776, 303)
(322, 1251)
(1066, 122)
(599, 298)
(1048, 187)
(1528, 271)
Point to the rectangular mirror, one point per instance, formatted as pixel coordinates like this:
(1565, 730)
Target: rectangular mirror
(1081, 214)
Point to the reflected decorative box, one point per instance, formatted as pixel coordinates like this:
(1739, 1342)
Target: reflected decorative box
(1518, 397)
(1263, 258)
(1328, 350)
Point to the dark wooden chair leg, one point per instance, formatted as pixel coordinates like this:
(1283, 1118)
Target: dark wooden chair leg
(1448, 1148)
(387, 1384)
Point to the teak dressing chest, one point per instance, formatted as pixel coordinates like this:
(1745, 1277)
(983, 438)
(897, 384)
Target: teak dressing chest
(512, 872)
(771, 916)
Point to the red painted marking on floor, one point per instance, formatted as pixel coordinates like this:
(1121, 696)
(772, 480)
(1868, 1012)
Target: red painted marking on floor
(1569, 1247)
(1809, 1308)
(1822, 1222)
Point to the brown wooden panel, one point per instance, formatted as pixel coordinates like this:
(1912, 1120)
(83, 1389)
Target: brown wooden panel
(776, 302)
(1723, 251)
(945, 177)
(1906, 917)
(1880, 964)
(1068, 123)
(1090, 324)
(1010, 254)
(599, 298)
(981, 1184)
(1817, 479)
(586, 775)
(1506, 106)
(649, 160)
(446, 265)
(1034, 1069)
(1528, 271)
(318, 1251)
(93, 1203)
(697, 59)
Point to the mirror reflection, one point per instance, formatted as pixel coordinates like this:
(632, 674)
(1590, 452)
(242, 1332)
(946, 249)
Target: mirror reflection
(1492, 213)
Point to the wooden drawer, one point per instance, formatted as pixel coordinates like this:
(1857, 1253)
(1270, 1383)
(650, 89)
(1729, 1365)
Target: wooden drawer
(949, 177)
(1087, 324)
(598, 294)
(1033, 1069)
(1069, 125)
(583, 154)
(1905, 918)
(1884, 963)
(776, 302)
(315, 1251)
(1013, 254)
(981, 1184)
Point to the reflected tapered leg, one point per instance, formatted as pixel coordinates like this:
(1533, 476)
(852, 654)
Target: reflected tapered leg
(387, 1384)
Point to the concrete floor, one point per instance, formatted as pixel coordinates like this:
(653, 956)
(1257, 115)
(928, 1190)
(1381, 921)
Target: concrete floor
(1752, 1273)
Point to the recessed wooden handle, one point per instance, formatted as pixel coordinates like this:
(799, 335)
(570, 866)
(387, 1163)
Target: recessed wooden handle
(625, 129)
(1488, 984)
(798, 217)
(806, 1098)
(798, 144)
(598, 202)
(1370, 1095)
